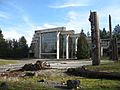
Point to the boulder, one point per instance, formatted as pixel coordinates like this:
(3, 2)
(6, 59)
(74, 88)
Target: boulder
(4, 86)
(73, 84)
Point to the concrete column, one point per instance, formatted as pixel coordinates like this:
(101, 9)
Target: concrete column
(76, 41)
(67, 47)
(101, 51)
(40, 46)
(58, 46)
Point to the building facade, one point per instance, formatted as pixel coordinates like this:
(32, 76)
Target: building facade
(54, 43)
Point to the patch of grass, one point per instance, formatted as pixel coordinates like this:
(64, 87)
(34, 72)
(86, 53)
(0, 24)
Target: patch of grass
(108, 67)
(85, 83)
(30, 83)
(4, 62)
(25, 84)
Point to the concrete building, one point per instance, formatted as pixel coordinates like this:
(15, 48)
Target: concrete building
(54, 43)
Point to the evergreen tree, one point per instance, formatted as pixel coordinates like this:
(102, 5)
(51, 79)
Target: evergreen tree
(3, 46)
(82, 47)
(9, 49)
(15, 48)
(104, 34)
(23, 47)
(88, 34)
(116, 32)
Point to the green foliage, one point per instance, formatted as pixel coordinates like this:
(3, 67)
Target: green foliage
(13, 48)
(82, 47)
(3, 45)
(23, 47)
(104, 34)
(88, 34)
(116, 32)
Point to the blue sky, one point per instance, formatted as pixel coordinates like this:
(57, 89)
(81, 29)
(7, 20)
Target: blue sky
(22, 17)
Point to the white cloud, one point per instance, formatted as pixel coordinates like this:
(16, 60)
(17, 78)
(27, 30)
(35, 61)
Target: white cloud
(74, 21)
(70, 3)
(67, 5)
(11, 34)
(26, 30)
(77, 21)
(104, 16)
(14, 33)
(46, 25)
(4, 15)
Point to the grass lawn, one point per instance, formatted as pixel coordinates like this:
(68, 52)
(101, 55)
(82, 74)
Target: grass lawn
(4, 61)
(25, 84)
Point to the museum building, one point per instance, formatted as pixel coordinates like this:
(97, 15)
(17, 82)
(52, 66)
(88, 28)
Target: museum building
(55, 43)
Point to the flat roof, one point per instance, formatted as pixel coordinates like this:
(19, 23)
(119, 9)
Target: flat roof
(51, 30)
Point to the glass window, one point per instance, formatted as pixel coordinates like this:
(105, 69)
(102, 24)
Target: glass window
(49, 41)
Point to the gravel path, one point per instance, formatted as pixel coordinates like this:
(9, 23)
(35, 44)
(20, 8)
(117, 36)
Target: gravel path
(54, 64)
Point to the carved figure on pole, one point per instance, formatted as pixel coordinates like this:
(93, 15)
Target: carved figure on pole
(95, 38)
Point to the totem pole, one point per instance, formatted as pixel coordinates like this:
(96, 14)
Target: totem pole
(113, 50)
(95, 38)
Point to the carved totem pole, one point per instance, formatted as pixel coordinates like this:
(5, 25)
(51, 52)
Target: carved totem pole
(95, 38)
(113, 50)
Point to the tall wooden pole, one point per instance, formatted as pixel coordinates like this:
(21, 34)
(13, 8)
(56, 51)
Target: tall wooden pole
(110, 27)
(95, 38)
(114, 50)
(110, 38)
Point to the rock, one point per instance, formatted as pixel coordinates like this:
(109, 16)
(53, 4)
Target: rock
(4, 86)
(73, 84)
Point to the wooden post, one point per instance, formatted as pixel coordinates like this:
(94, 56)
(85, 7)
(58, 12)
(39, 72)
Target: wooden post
(95, 38)
(114, 50)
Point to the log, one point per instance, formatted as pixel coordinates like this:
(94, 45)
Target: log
(94, 74)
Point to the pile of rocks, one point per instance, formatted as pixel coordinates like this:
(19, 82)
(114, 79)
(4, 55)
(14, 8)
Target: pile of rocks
(39, 65)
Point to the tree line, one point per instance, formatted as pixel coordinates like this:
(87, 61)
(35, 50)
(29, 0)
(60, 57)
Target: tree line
(13, 48)
(116, 33)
